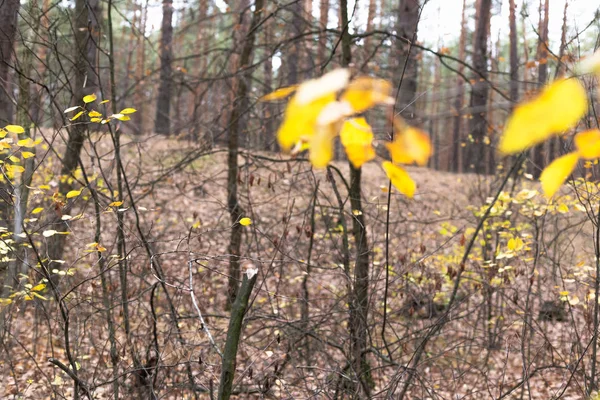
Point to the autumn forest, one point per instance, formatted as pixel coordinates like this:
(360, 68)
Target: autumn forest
(299, 199)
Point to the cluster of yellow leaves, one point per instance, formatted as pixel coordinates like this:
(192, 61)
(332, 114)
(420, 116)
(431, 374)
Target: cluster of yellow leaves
(558, 108)
(23, 146)
(324, 108)
(96, 116)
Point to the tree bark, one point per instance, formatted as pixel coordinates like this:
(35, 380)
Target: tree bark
(163, 105)
(455, 160)
(539, 153)
(235, 209)
(234, 332)
(475, 161)
(86, 82)
(405, 77)
(359, 299)
(8, 30)
(322, 46)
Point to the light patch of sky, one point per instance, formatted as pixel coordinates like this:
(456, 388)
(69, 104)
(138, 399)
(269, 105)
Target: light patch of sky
(440, 19)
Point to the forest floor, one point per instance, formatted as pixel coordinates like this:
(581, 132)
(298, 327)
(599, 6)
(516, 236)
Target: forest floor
(492, 341)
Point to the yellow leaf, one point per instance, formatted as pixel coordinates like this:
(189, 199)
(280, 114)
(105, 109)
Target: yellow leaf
(120, 117)
(39, 296)
(79, 114)
(14, 128)
(27, 154)
(14, 159)
(26, 142)
(300, 120)
(104, 101)
(95, 119)
(515, 244)
(116, 204)
(588, 144)
(410, 145)
(555, 174)
(245, 221)
(563, 209)
(400, 179)
(365, 92)
(357, 137)
(37, 210)
(279, 93)
(128, 111)
(89, 98)
(94, 114)
(39, 287)
(73, 193)
(48, 233)
(14, 168)
(321, 146)
(559, 107)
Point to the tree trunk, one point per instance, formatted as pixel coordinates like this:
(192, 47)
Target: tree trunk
(8, 29)
(405, 77)
(539, 158)
(475, 161)
(162, 124)
(455, 160)
(514, 56)
(86, 82)
(322, 46)
(235, 210)
(359, 299)
(139, 95)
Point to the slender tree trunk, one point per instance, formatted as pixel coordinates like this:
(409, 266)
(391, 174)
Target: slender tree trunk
(479, 94)
(322, 46)
(359, 299)
(557, 144)
(139, 95)
(86, 82)
(236, 211)
(406, 74)
(514, 56)
(8, 28)
(460, 96)
(163, 105)
(539, 158)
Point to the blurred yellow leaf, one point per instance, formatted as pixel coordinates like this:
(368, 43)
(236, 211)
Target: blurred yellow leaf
(79, 114)
(39, 287)
(128, 111)
(559, 107)
(365, 92)
(14, 128)
(37, 210)
(400, 179)
(95, 119)
(330, 83)
(48, 233)
(116, 204)
(89, 98)
(588, 144)
(26, 142)
(279, 93)
(14, 159)
(357, 136)
(410, 145)
(94, 114)
(104, 101)
(321, 146)
(555, 174)
(245, 221)
(73, 193)
(515, 244)
(27, 154)
(300, 120)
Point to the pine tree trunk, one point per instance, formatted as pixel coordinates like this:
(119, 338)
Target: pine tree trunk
(539, 158)
(405, 77)
(455, 159)
(322, 46)
(163, 105)
(475, 160)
